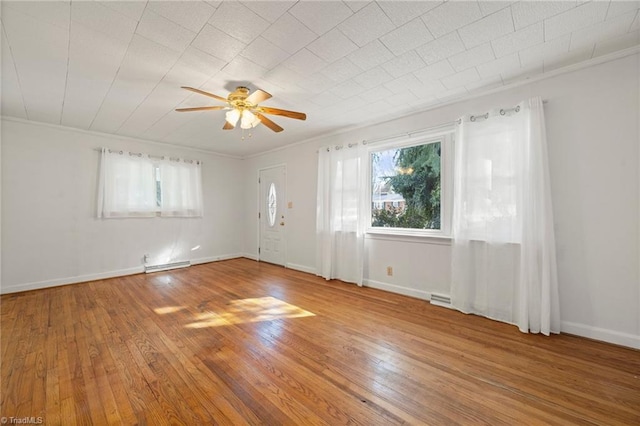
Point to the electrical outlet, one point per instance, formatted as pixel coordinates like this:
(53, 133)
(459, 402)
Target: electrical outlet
(389, 270)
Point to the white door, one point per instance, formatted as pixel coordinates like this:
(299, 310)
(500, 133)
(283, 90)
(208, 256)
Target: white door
(271, 215)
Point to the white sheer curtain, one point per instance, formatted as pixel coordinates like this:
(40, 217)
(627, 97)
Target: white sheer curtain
(139, 185)
(340, 220)
(181, 184)
(127, 186)
(503, 255)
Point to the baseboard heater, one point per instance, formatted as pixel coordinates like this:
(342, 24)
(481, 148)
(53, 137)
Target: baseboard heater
(166, 266)
(440, 300)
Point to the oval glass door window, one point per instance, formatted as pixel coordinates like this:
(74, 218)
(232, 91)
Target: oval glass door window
(272, 204)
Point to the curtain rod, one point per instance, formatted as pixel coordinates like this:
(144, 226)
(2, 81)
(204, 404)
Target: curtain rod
(140, 154)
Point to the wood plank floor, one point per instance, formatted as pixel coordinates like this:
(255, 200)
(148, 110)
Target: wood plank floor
(240, 342)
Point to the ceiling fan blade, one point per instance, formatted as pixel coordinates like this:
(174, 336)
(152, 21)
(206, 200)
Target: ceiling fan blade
(257, 97)
(228, 126)
(202, 92)
(284, 113)
(207, 108)
(270, 124)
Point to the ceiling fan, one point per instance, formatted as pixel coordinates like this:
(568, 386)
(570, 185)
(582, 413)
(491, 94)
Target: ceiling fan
(242, 105)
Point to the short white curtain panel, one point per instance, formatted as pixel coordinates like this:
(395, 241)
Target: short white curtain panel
(127, 186)
(503, 249)
(139, 185)
(181, 184)
(341, 212)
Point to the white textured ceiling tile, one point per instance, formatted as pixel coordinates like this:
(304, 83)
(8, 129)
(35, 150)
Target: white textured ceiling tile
(165, 32)
(472, 57)
(407, 37)
(375, 94)
(132, 9)
(326, 99)
(36, 47)
(580, 17)
(613, 27)
(238, 21)
(499, 66)
(269, 10)
(485, 84)
(144, 65)
(304, 62)
(94, 59)
(161, 101)
(356, 5)
(450, 16)
(168, 124)
(441, 48)
(263, 52)
(12, 102)
(316, 83)
(617, 43)
(487, 29)
(519, 40)
(562, 60)
(341, 70)
(100, 18)
(489, 7)
(347, 89)
(289, 34)
(283, 76)
(521, 74)
(428, 89)
(435, 72)
(452, 94)
(371, 55)
(51, 12)
(402, 84)
(617, 8)
(320, 16)
(200, 61)
(636, 24)
(366, 25)
(332, 46)
(526, 13)
(192, 15)
(461, 79)
(534, 55)
(404, 64)
(217, 43)
(242, 69)
(401, 12)
(402, 98)
(372, 78)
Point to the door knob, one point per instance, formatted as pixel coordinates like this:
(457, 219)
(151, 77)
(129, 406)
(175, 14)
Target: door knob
(281, 223)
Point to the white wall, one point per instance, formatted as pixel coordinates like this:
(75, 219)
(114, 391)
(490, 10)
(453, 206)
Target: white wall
(593, 132)
(50, 233)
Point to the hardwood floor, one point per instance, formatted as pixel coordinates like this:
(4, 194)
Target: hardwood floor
(240, 342)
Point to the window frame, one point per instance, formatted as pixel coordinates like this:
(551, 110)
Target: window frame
(446, 137)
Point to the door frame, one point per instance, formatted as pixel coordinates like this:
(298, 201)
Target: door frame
(284, 196)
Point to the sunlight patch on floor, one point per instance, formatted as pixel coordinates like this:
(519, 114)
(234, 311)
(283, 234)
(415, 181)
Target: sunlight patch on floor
(168, 310)
(249, 310)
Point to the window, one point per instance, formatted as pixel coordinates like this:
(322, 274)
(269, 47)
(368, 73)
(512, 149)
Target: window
(138, 185)
(407, 182)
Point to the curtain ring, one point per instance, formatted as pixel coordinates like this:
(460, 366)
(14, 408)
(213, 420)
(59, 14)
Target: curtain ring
(472, 118)
(502, 112)
(518, 108)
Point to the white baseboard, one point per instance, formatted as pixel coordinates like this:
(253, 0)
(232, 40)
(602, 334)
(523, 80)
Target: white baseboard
(71, 280)
(100, 276)
(603, 334)
(250, 256)
(215, 258)
(420, 294)
(301, 268)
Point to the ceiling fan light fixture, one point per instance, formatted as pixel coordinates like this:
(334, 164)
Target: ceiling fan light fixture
(233, 116)
(248, 120)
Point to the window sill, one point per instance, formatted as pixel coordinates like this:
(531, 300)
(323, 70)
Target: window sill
(408, 236)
